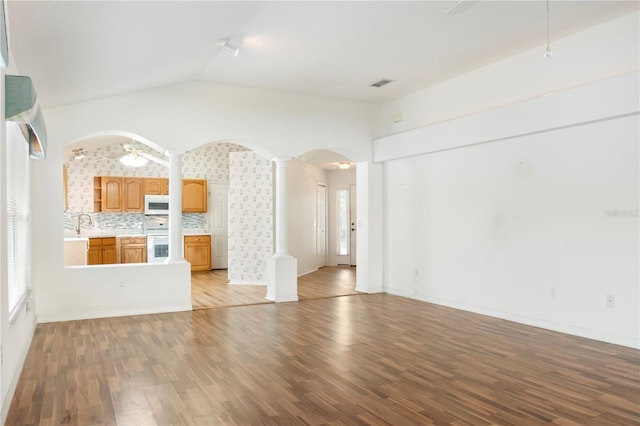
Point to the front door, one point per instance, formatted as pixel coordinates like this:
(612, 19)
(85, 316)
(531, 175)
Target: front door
(354, 225)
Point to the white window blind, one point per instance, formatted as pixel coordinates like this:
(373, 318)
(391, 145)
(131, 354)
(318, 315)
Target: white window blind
(17, 180)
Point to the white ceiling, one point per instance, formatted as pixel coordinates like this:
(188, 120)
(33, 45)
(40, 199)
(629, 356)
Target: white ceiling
(79, 50)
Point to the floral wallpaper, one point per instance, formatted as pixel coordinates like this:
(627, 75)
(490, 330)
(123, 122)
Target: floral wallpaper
(209, 162)
(250, 217)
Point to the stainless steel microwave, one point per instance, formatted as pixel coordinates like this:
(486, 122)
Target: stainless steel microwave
(156, 204)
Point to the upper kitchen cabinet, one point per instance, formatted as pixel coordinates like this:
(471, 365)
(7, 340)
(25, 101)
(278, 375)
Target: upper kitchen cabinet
(194, 196)
(133, 195)
(118, 194)
(112, 190)
(156, 186)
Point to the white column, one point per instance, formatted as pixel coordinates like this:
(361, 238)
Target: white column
(175, 207)
(282, 234)
(282, 268)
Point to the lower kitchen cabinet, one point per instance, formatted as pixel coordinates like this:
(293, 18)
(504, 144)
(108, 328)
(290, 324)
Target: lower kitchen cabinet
(102, 251)
(197, 251)
(132, 249)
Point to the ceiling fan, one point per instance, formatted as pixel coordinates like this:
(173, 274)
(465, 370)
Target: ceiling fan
(134, 157)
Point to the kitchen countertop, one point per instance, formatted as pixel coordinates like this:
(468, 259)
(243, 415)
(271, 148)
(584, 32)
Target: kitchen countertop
(120, 234)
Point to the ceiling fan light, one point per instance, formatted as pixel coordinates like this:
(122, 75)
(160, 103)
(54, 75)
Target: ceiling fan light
(78, 154)
(132, 160)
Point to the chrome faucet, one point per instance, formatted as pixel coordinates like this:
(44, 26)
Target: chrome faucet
(78, 222)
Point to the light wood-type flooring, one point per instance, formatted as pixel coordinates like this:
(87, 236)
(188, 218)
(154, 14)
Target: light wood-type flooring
(209, 289)
(368, 359)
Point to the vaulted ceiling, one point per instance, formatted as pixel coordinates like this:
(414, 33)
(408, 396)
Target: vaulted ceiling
(79, 50)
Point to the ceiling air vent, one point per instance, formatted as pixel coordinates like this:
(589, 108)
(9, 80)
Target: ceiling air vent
(381, 83)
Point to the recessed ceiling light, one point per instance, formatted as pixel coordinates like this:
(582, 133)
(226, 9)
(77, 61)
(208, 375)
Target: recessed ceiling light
(381, 82)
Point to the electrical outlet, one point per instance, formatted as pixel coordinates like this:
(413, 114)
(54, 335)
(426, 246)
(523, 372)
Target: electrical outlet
(611, 301)
(416, 275)
(121, 284)
(553, 292)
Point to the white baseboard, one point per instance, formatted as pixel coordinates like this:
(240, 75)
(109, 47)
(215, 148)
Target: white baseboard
(523, 319)
(245, 282)
(107, 314)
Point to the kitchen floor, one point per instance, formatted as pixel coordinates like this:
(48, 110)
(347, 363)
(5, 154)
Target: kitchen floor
(209, 289)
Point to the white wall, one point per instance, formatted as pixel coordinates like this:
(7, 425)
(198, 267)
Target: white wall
(180, 117)
(600, 52)
(302, 179)
(14, 338)
(337, 179)
(529, 211)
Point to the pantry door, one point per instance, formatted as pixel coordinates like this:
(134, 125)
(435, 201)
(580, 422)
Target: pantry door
(219, 220)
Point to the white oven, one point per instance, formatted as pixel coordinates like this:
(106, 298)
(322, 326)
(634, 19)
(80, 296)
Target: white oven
(157, 230)
(156, 204)
(157, 248)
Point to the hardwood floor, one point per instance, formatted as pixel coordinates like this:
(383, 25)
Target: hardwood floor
(368, 359)
(210, 289)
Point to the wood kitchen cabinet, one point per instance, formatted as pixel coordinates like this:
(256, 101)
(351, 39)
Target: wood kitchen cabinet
(156, 186)
(112, 190)
(197, 251)
(133, 195)
(194, 195)
(102, 251)
(65, 186)
(132, 249)
(118, 194)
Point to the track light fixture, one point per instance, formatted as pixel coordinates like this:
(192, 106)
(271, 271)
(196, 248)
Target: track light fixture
(228, 47)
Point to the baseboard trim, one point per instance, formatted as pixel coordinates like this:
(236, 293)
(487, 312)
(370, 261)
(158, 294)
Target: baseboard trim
(246, 282)
(523, 319)
(107, 314)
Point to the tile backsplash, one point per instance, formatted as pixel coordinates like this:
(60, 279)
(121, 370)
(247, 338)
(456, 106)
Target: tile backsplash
(106, 222)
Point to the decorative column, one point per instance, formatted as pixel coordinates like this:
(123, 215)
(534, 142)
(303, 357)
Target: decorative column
(282, 268)
(175, 207)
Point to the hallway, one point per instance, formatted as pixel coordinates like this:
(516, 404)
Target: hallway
(209, 289)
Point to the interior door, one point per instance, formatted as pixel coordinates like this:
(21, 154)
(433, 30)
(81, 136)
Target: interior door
(353, 220)
(218, 220)
(321, 225)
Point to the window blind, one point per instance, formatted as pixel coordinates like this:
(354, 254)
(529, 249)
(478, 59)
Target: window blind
(17, 180)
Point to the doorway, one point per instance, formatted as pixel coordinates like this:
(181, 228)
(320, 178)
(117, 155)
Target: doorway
(346, 225)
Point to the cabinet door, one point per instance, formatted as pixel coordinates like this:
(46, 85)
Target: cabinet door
(111, 194)
(153, 186)
(94, 256)
(165, 186)
(108, 250)
(133, 253)
(133, 196)
(197, 251)
(194, 196)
